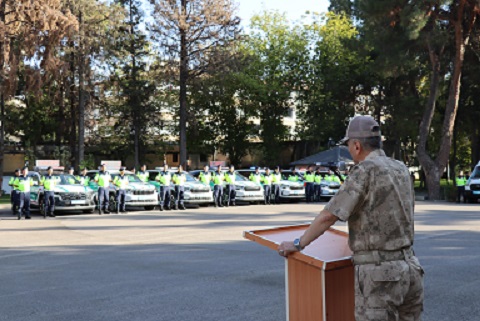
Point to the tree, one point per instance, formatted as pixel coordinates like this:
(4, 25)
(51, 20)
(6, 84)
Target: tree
(28, 29)
(187, 31)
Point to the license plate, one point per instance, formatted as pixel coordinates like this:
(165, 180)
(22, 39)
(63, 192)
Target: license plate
(145, 198)
(77, 202)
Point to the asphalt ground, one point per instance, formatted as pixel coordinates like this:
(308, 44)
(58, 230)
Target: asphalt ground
(195, 265)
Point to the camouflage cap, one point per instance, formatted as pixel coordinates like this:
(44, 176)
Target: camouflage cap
(362, 127)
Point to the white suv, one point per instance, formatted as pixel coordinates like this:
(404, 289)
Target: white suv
(472, 188)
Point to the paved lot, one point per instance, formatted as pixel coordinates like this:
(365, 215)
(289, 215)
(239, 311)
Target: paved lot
(194, 264)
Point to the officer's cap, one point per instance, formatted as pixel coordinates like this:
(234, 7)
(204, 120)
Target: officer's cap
(231, 166)
(362, 127)
(17, 170)
(277, 167)
(122, 168)
(72, 168)
(49, 168)
(256, 167)
(24, 168)
(267, 169)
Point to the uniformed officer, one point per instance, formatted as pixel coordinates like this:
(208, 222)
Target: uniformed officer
(461, 181)
(267, 186)
(276, 179)
(218, 179)
(103, 180)
(317, 194)
(83, 178)
(179, 179)
(377, 200)
(23, 184)
(205, 177)
(49, 182)
(71, 178)
(143, 174)
(256, 177)
(309, 188)
(230, 178)
(164, 177)
(14, 192)
(293, 177)
(121, 182)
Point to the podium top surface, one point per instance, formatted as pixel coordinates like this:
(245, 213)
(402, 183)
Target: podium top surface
(329, 251)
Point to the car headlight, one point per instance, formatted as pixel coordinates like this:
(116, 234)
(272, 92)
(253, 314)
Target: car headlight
(129, 191)
(187, 188)
(239, 188)
(285, 187)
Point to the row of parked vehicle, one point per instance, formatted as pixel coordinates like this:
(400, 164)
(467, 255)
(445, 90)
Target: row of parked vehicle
(72, 195)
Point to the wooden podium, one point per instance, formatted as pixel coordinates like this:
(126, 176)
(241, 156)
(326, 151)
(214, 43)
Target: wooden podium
(319, 281)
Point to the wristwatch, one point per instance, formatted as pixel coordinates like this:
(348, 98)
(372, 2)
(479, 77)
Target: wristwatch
(297, 245)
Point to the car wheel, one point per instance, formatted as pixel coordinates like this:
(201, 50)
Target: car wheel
(41, 206)
(112, 206)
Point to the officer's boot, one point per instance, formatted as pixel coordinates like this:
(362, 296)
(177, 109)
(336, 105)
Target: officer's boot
(19, 214)
(176, 206)
(51, 214)
(100, 211)
(161, 208)
(182, 206)
(118, 209)
(233, 203)
(216, 204)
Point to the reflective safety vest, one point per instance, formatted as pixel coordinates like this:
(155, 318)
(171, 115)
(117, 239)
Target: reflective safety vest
(49, 182)
(218, 178)
(23, 184)
(164, 178)
(84, 180)
(179, 179)
(461, 181)
(11, 183)
(121, 182)
(103, 179)
(230, 178)
(318, 179)
(276, 178)
(293, 178)
(143, 176)
(267, 179)
(256, 178)
(205, 177)
(335, 178)
(309, 178)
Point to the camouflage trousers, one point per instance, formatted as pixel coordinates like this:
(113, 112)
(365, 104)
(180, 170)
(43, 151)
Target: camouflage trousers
(390, 291)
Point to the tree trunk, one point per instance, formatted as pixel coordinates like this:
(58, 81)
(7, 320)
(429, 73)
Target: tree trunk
(79, 157)
(135, 103)
(3, 4)
(73, 116)
(183, 90)
(428, 165)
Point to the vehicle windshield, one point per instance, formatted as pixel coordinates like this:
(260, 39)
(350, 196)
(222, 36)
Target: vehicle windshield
(476, 173)
(67, 179)
(132, 178)
(241, 178)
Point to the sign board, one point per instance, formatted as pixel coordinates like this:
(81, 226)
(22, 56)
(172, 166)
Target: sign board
(47, 162)
(112, 165)
(217, 163)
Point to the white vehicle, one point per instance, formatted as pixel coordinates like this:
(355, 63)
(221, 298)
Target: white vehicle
(70, 195)
(472, 188)
(195, 193)
(289, 190)
(247, 191)
(139, 194)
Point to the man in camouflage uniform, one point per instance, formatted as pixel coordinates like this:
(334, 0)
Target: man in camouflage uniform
(377, 200)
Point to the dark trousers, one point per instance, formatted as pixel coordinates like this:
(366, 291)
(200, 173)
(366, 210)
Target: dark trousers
(231, 194)
(461, 193)
(13, 200)
(276, 193)
(218, 194)
(121, 193)
(23, 204)
(103, 200)
(267, 191)
(49, 201)
(309, 190)
(317, 192)
(165, 193)
(179, 195)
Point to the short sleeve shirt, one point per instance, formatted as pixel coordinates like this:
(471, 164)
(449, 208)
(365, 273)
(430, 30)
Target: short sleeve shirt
(377, 200)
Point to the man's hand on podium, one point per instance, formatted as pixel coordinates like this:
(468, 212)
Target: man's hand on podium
(287, 248)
